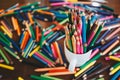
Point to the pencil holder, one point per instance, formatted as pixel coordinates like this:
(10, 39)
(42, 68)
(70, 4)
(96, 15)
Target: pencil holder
(76, 60)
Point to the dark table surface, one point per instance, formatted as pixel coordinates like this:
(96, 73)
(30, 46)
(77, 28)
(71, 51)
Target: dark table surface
(24, 70)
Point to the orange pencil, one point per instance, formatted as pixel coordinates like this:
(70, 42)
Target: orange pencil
(30, 18)
(13, 22)
(58, 52)
(5, 26)
(37, 34)
(17, 27)
(60, 73)
(58, 70)
(47, 69)
(45, 12)
(1, 10)
(54, 51)
(58, 27)
(119, 78)
(24, 41)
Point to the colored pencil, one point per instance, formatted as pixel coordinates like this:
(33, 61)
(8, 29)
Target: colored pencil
(116, 75)
(7, 67)
(85, 68)
(47, 69)
(109, 48)
(114, 70)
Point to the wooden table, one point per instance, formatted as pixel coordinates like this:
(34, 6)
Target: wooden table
(24, 70)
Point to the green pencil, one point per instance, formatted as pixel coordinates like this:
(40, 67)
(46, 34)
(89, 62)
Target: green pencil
(114, 66)
(43, 77)
(25, 53)
(114, 50)
(42, 38)
(12, 53)
(3, 36)
(64, 21)
(96, 35)
(91, 60)
(32, 32)
(4, 57)
(49, 77)
(107, 7)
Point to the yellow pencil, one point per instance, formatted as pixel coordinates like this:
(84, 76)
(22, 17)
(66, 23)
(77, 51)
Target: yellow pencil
(7, 32)
(114, 70)
(6, 27)
(36, 49)
(114, 58)
(85, 68)
(6, 66)
(20, 78)
(74, 44)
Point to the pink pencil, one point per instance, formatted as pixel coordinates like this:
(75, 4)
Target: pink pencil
(54, 51)
(41, 57)
(111, 27)
(60, 3)
(112, 34)
(107, 58)
(90, 38)
(78, 45)
(81, 45)
(94, 53)
(47, 32)
(106, 18)
(71, 6)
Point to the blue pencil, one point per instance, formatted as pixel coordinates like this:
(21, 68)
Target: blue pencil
(114, 21)
(109, 43)
(84, 31)
(62, 54)
(40, 60)
(29, 41)
(97, 66)
(83, 28)
(46, 52)
(93, 19)
(116, 75)
(47, 47)
(21, 37)
(30, 50)
(14, 44)
(103, 36)
(53, 37)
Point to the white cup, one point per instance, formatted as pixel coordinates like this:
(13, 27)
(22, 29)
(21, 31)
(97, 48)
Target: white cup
(76, 60)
